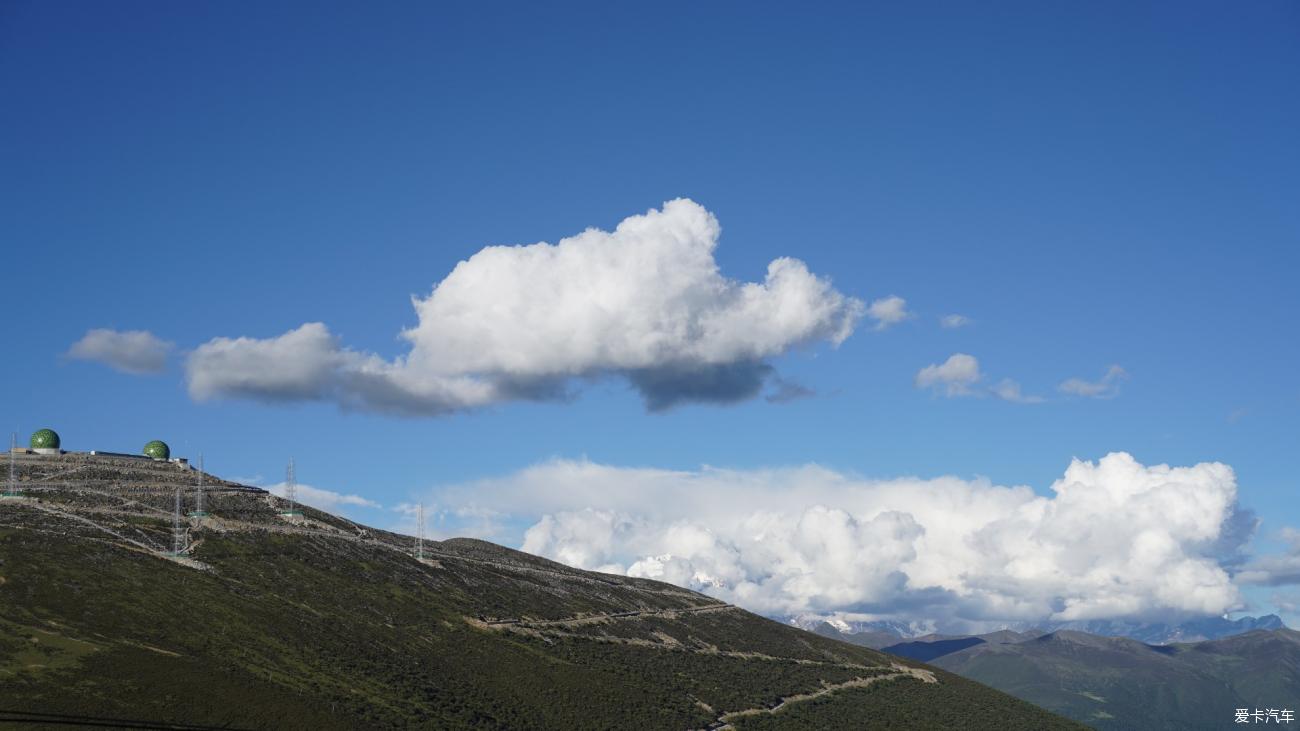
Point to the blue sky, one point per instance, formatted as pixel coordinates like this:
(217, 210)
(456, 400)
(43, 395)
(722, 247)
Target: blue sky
(1091, 185)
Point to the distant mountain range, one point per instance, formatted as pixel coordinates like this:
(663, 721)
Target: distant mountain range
(878, 634)
(1114, 675)
(1198, 630)
(1115, 683)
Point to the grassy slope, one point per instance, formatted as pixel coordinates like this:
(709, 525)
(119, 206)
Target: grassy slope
(335, 626)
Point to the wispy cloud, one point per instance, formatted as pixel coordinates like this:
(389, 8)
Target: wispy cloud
(138, 352)
(1107, 387)
(784, 390)
(1282, 569)
(888, 311)
(951, 322)
(1009, 390)
(455, 521)
(327, 500)
(956, 376)
(960, 375)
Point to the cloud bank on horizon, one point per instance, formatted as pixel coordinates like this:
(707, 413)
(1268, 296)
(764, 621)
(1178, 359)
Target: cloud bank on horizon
(1116, 539)
(322, 499)
(644, 302)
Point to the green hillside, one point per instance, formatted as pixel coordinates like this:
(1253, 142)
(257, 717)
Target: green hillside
(317, 622)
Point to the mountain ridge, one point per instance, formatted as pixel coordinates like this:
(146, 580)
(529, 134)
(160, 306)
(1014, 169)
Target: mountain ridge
(881, 633)
(270, 617)
(1121, 683)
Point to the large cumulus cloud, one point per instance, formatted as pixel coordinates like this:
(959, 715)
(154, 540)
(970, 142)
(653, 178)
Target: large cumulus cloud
(1114, 538)
(645, 302)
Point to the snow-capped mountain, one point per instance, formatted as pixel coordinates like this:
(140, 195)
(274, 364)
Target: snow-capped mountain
(1152, 633)
(849, 626)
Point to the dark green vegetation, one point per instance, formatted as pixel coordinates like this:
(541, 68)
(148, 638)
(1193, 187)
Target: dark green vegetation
(322, 623)
(1118, 683)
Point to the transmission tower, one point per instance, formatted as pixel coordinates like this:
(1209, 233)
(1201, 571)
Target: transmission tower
(419, 534)
(178, 537)
(198, 511)
(199, 497)
(12, 489)
(290, 491)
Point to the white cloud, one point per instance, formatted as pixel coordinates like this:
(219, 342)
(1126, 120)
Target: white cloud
(645, 302)
(888, 311)
(468, 521)
(954, 321)
(1107, 387)
(1009, 390)
(139, 352)
(327, 500)
(586, 538)
(954, 377)
(1288, 603)
(1113, 538)
(1278, 569)
(300, 364)
(960, 375)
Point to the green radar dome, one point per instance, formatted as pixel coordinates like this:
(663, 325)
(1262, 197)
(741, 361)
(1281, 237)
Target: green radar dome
(157, 450)
(45, 439)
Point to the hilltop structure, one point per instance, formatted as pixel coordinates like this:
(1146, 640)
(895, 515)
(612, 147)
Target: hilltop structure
(47, 442)
(157, 450)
